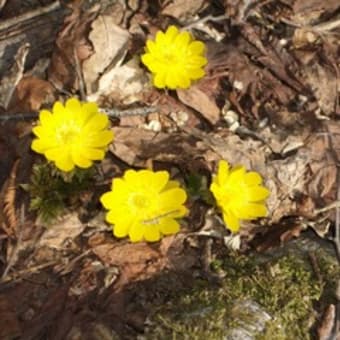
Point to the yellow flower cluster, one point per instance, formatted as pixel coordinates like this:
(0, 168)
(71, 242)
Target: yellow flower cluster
(175, 59)
(146, 204)
(72, 135)
(239, 194)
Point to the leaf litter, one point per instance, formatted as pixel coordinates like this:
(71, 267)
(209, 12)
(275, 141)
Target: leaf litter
(269, 101)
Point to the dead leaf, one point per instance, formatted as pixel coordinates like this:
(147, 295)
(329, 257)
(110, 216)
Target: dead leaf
(324, 83)
(184, 9)
(12, 77)
(67, 228)
(202, 98)
(110, 44)
(138, 261)
(306, 12)
(122, 85)
(31, 94)
(72, 48)
(327, 323)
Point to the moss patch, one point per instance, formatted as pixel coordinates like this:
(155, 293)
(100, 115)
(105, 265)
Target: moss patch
(286, 289)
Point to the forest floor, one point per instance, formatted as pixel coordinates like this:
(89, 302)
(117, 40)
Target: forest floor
(269, 101)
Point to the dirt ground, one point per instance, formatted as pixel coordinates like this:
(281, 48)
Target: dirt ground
(269, 101)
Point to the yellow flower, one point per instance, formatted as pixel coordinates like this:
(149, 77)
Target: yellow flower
(144, 205)
(174, 58)
(72, 135)
(239, 194)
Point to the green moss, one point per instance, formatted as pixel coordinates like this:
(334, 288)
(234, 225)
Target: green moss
(285, 289)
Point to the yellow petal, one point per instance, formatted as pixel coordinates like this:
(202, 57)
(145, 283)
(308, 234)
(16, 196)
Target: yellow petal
(171, 199)
(55, 153)
(151, 233)
(182, 40)
(183, 82)
(64, 163)
(196, 61)
(41, 131)
(136, 232)
(108, 200)
(253, 210)
(159, 80)
(257, 193)
(169, 226)
(73, 104)
(91, 153)
(171, 185)
(100, 139)
(196, 47)
(222, 173)
(58, 108)
(38, 146)
(160, 38)
(149, 61)
(90, 108)
(237, 174)
(231, 221)
(171, 80)
(121, 230)
(196, 73)
(171, 34)
(96, 123)
(45, 117)
(81, 161)
(151, 46)
(253, 178)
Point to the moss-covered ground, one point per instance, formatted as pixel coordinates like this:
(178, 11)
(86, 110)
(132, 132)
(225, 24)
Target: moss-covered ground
(292, 290)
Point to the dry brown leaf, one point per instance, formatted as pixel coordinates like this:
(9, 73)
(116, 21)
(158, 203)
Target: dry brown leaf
(31, 94)
(138, 261)
(202, 98)
(307, 12)
(123, 85)
(72, 48)
(65, 229)
(324, 83)
(9, 202)
(9, 82)
(110, 44)
(184, 9)
(135, 146)
(327, 323)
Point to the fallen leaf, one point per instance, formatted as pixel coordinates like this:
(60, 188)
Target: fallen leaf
(67, 228)
(122, 85)
(138, 261)
(110, 44)
(184, 9)
(202, 98)
(31, 94)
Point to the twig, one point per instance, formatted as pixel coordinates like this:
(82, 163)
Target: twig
(140, 111)
(15, 251)
(205, 19)
(29, 16)
(21, 273)
(82, 87)
(115, 113)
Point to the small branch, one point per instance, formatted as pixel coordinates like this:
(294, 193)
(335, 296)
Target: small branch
(115, 113)
(29, 16)
(205, 19)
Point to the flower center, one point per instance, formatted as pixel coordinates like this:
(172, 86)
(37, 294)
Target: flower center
(140, 201)
(67, 134)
